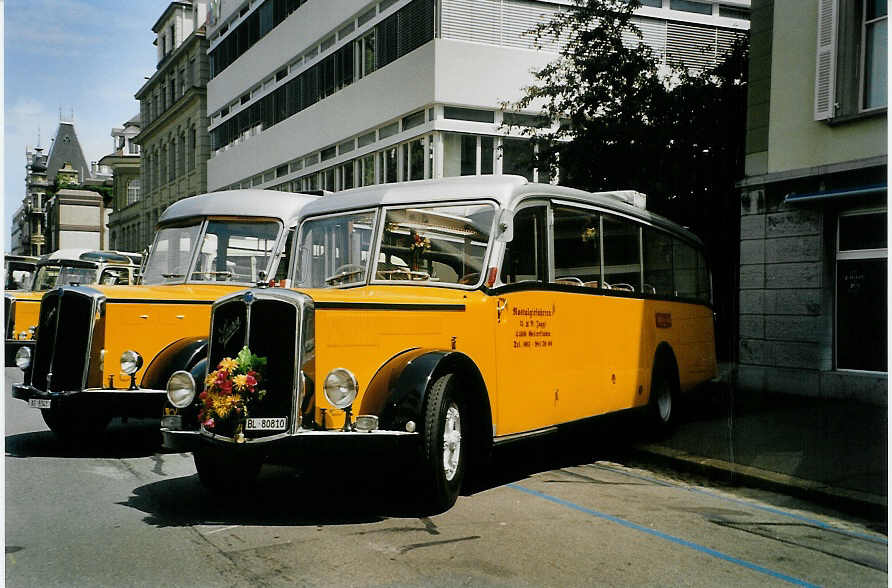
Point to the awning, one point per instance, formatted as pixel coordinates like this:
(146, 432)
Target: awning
(862, 191)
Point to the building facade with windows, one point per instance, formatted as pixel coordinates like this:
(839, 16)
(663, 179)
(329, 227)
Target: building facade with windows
(813, 250)
(124, 163)
(307, 94)
(173, 140)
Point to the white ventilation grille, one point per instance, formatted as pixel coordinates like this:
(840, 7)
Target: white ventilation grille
(520, 17)
(692, 46)
(477, 20)
(510, 22)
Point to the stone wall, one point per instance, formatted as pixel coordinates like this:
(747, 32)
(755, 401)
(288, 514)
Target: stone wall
(787, 302)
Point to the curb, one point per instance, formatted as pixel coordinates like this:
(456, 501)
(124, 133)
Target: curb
(853, 501)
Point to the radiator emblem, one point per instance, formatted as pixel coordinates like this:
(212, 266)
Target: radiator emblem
(228, 329)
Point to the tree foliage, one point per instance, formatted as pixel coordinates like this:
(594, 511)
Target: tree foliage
(630, 122)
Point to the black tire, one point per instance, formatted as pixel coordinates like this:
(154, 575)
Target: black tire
(73, 424)
(444, 449)
(662, 408)
(225, 471)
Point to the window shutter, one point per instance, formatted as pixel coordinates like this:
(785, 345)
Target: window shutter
(825, 68)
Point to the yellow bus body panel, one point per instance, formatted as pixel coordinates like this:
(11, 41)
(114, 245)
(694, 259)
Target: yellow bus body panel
(27, 312)
(546, 357)
(146, 319)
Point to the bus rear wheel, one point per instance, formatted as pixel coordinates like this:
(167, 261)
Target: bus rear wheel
(662, 409)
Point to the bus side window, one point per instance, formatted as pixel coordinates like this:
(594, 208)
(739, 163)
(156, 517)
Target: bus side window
(684, 262)
(577, 247)
(657, 262)
(622, 259)
(525, 256)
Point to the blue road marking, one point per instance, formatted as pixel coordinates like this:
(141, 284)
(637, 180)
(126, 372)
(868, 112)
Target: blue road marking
(666, 537)
(777, 511)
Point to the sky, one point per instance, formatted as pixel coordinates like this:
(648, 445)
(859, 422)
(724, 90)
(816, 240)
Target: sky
(88, 57)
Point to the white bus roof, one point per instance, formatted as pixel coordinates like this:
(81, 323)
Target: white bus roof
(259, 203)
(507, 190)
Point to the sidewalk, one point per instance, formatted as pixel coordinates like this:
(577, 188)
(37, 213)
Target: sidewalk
(830, 451)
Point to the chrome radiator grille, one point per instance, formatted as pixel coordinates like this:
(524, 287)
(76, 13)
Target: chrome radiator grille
(268, 322)
(63, 341)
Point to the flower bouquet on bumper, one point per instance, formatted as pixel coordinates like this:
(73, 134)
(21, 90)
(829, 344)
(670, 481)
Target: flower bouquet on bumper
(231, 391)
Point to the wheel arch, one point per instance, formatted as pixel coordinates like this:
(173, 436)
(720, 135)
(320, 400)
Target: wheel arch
(398, 392)
(183, 354)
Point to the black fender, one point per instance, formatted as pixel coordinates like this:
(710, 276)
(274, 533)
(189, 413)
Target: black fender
(399, 390)
(183, 354)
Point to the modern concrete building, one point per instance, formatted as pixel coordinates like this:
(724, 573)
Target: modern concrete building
(124, 162)
(173, 111)
(307, 94)
(813, 250)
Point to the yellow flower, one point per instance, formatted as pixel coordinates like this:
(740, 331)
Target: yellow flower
(210, 379)
(228, 364)
(240, 381)
(223, 405)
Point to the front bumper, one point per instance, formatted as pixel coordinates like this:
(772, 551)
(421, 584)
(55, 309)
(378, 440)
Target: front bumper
(335, 442)
(13, 346)
(142, 402)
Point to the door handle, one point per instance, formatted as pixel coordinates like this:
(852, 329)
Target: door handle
(502, 304)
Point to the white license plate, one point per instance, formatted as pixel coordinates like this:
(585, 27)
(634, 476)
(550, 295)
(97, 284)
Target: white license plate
(39, 403)
(268, 424)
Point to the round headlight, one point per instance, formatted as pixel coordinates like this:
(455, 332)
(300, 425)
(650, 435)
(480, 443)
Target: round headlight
(181, 389)
(340, 388)
(23, 358)
(131, 361)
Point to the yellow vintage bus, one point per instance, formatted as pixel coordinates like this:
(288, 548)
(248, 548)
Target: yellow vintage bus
(108, 350)
(449, 316)
(61, 267)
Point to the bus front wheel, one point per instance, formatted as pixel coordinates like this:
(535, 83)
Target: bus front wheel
(444, 444)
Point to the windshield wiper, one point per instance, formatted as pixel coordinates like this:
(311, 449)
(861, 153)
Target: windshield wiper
(226, 274)
(172, 275)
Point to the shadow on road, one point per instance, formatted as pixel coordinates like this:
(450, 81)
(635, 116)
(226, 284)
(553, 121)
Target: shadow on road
(357, 490)
(136, 438)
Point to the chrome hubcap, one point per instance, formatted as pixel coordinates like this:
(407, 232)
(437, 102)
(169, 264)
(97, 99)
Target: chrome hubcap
(451, 441)
(664, 403)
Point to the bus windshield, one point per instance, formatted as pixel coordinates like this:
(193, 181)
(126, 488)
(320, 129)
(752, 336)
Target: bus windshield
(50, 276)
(436, 245)
(226, 251)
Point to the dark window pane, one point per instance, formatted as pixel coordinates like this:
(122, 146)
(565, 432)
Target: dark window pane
(657, 263)
(517, 158)
(622, 262)
(468, 155)
(691, 6)
(862, 231)
(861, 314)
(486, 150)
(472, 114)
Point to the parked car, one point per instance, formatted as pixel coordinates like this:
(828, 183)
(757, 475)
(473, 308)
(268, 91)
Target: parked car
(444, 317)
(106, 351)
(62, 267)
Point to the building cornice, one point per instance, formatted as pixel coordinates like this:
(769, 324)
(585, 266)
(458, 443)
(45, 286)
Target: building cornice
(193, 38)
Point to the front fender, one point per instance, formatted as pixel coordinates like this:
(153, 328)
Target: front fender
(398, 391)
(183, 354)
